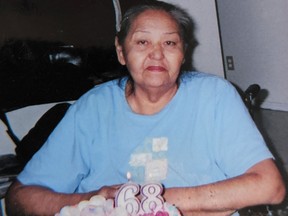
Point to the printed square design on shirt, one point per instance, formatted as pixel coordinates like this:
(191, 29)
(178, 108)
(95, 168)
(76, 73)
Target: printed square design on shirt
(149, 161)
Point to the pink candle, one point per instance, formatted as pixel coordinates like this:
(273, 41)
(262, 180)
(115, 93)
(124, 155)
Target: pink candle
(126, 197)
(151, 197)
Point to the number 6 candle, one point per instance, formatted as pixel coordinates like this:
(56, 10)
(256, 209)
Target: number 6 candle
(126, 196)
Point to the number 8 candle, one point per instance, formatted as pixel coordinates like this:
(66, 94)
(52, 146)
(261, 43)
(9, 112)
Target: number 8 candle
(126, 197)
(151, 197)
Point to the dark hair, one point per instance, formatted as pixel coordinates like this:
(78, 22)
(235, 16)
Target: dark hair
(185, 23)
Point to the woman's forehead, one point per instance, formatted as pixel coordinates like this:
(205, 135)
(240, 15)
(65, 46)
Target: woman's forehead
(154, 19)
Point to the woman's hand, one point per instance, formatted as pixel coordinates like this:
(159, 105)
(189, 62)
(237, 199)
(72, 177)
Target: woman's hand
(109, 192)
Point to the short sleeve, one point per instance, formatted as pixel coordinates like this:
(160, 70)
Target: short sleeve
(48, 167)
(239, 144)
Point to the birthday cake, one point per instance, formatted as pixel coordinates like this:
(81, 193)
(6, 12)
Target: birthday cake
(125, 204)
(99, 206)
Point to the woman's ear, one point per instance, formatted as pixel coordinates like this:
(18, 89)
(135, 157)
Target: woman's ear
(119, 51)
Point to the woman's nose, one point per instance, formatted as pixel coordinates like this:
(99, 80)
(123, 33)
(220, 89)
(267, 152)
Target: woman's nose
(156, 52)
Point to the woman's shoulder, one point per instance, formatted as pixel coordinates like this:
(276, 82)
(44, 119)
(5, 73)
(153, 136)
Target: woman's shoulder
(202, 79)
(207, 85)
(106, 87)
(102, 93)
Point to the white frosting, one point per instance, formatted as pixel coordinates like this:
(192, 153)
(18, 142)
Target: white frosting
(99, 206)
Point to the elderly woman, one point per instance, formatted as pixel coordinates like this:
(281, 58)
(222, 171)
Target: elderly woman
(188, 130)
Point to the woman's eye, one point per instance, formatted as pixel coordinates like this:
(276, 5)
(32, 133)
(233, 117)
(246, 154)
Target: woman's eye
(142, 42)
(170, 43)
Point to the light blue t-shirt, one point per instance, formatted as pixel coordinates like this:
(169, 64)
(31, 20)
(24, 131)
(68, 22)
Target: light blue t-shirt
(204, 134)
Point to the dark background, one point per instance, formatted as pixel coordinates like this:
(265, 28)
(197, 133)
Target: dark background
(75, 22)
(81, 23)
(55, 50)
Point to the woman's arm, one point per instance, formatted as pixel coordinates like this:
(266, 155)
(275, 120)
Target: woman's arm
(37, 200)
(261, 184)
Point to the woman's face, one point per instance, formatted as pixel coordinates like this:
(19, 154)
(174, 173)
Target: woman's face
(153, 50)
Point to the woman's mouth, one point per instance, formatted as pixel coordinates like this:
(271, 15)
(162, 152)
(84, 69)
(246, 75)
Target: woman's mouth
(156, 68)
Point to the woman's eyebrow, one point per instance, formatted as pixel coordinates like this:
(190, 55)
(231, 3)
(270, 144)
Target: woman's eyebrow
(145, 31)
(175, 32)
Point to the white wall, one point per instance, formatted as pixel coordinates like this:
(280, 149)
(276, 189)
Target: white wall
(255, 33)
(207, 58)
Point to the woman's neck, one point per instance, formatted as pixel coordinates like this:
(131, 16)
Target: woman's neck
(149, 101)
